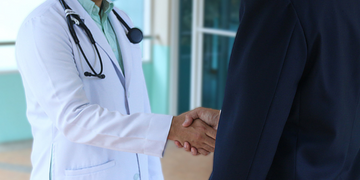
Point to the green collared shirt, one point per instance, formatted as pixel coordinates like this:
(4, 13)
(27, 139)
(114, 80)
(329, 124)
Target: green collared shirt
(103, 23)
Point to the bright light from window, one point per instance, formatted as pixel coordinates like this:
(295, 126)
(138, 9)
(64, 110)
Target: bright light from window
(7, 58)
(13, 14)
(147, 31)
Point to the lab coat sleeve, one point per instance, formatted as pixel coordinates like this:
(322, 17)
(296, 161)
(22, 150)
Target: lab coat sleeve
(154, 163)
(45, 59)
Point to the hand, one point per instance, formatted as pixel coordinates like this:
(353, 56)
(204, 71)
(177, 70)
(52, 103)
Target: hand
(199, 134)
(210, 116)
(194, 151)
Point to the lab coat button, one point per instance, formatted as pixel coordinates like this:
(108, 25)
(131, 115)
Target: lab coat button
(136, 176)
(128, 94)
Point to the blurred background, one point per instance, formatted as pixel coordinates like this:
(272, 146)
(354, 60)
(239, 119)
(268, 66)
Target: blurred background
(185, 58)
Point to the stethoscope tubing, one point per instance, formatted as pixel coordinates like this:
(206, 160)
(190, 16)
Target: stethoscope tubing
(134, 35)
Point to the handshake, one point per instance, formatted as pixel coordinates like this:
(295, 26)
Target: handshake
(195, 130)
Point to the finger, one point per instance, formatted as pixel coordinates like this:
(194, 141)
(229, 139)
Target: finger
(188, 121)
(211, 132)
(203, 152)
(210, 142)
(187, 146)
(178, 144)
(194, 151)
(207, 147)
(195, 113)
(210, 116)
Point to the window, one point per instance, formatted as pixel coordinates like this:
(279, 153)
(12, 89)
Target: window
(214, 28)
(14, 12)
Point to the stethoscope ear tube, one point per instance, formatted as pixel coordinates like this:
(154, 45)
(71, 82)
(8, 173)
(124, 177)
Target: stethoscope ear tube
(71, 29)
(134, 35)
(73, 18)
(87, 31)
(64, 5)
(70, 23)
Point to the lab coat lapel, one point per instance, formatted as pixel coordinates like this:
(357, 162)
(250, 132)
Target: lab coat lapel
(98, 35)
(126, 47)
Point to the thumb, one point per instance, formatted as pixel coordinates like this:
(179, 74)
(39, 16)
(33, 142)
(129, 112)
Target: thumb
(188, 121)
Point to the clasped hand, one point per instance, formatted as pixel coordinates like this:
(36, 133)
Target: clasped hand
(195, 130)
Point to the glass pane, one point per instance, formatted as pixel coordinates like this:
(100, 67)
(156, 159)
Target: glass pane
(222, 14)
(7, 58)
(217, 50)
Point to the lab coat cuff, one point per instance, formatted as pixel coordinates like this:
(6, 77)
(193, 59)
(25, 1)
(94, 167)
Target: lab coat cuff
(157, 135)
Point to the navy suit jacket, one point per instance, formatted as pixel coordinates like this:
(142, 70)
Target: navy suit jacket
(291, 108)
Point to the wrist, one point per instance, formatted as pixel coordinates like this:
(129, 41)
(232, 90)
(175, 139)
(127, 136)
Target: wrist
(172, 130)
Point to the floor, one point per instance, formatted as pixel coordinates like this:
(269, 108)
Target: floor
(177, 164)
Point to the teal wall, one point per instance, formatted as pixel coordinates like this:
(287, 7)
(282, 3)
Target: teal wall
(157, 70)
(157, 79)
(134, 9)
(13, 123)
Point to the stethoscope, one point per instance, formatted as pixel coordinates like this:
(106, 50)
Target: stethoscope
(134, 35)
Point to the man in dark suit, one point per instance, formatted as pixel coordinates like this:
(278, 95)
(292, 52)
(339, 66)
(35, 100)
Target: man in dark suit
(291, 108)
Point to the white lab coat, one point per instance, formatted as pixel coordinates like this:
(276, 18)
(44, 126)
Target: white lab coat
(86, 128)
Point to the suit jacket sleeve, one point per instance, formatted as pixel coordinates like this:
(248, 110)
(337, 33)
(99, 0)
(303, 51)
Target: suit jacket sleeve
(267, 63)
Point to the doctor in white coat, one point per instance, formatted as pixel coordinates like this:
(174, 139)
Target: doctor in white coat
(87, 128)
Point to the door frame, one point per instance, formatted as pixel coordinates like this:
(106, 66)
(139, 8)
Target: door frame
(174, 57)
(198, 32)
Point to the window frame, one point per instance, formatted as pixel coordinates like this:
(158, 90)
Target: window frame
(147, 31)
(198, 32)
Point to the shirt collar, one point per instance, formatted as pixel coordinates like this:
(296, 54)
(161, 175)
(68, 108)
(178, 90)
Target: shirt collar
(93, 9)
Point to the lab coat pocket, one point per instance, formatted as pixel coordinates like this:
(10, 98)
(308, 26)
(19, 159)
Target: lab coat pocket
(89, 170)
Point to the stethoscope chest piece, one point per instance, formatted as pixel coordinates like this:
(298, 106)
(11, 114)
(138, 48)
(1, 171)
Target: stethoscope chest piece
(135, 35)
